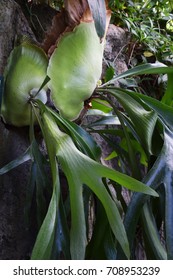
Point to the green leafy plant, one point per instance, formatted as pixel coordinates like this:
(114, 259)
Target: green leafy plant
(25, 72)
(149, 24)
(144, 114)
(85, 216)
(85, 58)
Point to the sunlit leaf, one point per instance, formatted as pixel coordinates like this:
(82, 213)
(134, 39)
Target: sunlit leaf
(164, 111)
(24, 74)
(148, 54)
(109, 74)
(168, 96)
(101, 105)
(46, 236)
(79, 58)
(111, 156)
(148, 68)
(83, 140)
(106, 120)
(169, 25)
(142, 120)
(80, 169)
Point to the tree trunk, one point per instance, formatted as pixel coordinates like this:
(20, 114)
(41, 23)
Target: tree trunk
(15, 240)
(16, 20)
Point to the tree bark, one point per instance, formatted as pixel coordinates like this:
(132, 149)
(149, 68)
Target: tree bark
(15, 240)
(12, 24)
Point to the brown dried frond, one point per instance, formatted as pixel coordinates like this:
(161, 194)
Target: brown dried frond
(58, 27)
(75, 10)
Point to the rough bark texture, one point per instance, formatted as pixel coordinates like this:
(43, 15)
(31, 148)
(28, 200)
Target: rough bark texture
(12, 24)
(39, 17)
(15, 239)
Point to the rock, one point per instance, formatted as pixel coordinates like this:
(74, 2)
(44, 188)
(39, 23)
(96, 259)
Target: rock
(116, 41)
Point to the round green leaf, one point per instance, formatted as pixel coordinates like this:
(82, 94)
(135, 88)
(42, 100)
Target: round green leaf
(24, 74)
(74, 69)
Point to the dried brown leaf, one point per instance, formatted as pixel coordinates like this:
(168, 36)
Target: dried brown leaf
(75, 10)
(58, 27)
